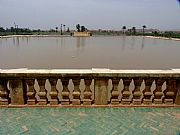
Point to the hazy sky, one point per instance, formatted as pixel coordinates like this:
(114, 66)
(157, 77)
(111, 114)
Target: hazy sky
(94, 14)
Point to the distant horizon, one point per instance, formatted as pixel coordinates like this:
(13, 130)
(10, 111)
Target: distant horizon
(110, 15)
(74, 29)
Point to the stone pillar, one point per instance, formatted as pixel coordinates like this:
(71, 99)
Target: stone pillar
(4, 95)
(16, 91)
(53, 93)
(42, 92)
(137, 92)
(87, 100)
(177, 99)
(170, 91)
(126, 92)
(65, 92)
(76, 92)
(31, 100)
(158, 91)
(147, 92)
(115, 92)
(101, 91)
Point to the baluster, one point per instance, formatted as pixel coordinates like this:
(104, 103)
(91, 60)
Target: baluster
(53, 93)
(137, 92)
(31, 100)
(65, 92)
(147, 92)
(126, 92)
(87, 100)
(16, 92)
(76, 92)
(42, 92)
(4, 100)
(115, 92)
(170, 92)
(158, 91)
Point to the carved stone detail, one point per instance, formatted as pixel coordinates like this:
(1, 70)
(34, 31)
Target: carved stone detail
(76, 92)
(137, 92)
(147, 92)
(42, 92)
(158, 91)
(115, 93)
(170, 92)
(126, 92)
(65, 92)
(31, 100)
(53, 93)
(87, 100)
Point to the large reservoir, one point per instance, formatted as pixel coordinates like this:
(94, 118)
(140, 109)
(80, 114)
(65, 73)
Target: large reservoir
(114, 52)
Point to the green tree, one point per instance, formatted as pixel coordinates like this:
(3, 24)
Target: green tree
(64, 27)
(68, 29)
(83, 28)
(134, 30)
(144, 26)
(78, 27)
(2, 29)
(124, 28)
(56, 29)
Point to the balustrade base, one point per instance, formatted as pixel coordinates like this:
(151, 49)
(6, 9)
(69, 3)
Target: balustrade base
(126, 101)
(76, 102)
(168, 101)
(115, 101)
(31, 102)
(54, 102)
(42, 102)
(158, 101)
(87, 102)
(137, 101)
(65, 102)
(3, 102)
(147, 101)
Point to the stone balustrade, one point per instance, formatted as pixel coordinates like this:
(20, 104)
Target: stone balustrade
(96, 87)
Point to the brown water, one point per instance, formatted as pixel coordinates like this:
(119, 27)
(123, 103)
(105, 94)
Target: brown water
(89, 52)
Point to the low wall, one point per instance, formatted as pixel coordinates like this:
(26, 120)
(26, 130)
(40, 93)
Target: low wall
(96, 87)
(81, 34)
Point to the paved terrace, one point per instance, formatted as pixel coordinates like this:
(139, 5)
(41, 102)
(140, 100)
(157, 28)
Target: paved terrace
(90, 121)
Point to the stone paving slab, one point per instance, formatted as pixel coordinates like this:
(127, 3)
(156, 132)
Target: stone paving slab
(90, 121)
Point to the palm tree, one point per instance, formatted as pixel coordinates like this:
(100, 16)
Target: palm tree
(68, 30)
(144, 26)
(61, 29)
(64, 27)
(78, 27)
(124, 28)
(56, 29)
(134, 30)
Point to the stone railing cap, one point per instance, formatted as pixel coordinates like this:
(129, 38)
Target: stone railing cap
(93, 70)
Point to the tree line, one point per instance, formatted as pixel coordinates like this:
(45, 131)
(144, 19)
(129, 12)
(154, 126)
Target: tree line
(62, 30)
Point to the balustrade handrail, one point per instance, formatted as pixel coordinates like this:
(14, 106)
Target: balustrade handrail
(101, 87)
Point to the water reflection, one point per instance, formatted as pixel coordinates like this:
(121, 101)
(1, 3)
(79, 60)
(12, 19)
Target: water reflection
(16, 41)
(62, 42)
(142, 44)
(80, 45)
(123, 42)
(80, 42)
(0, 41)
(27, 40)
(57, 41)
(133, 42)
